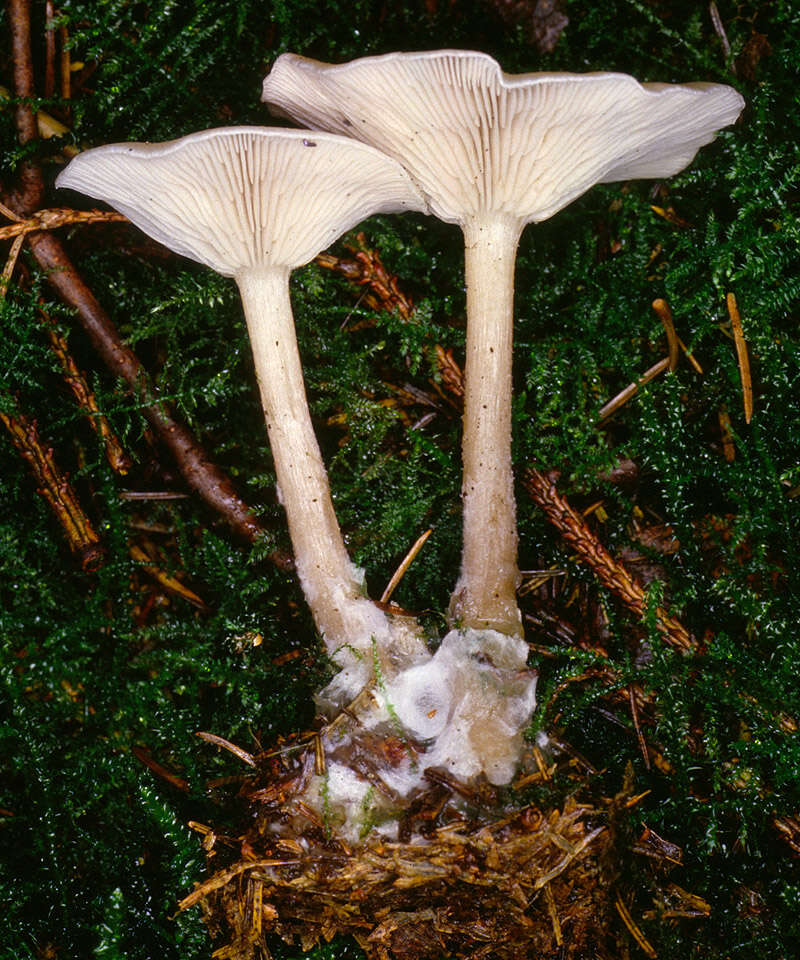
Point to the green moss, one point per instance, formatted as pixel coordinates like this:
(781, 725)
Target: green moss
(96, 851)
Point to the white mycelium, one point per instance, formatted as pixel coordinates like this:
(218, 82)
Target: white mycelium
(462, 712)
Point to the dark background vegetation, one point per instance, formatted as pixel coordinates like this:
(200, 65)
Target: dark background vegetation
(96, 851)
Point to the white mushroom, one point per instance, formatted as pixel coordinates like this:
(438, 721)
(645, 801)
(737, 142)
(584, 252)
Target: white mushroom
(254, 203)
(493, 152)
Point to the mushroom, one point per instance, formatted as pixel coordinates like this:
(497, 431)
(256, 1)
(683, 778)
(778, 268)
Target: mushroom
(493, 152)
(254, 203)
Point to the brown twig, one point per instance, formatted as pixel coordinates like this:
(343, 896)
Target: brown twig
(54, 486)
(611, 574)
(65, 64)
(690, 356)
(31, 186)
(669, 214)
(635, 717)
(50, 50)
(400, 572)
(56, 217)
(726, 435)
(144, 557)
(9, 213)
(203, 476)
(227, 745)
(670, 362)
(11, 262)
(144, 756)
(719, 28)
(452, 374)
(75, 379)
(366, 269)
(633, 929)
(789, 828)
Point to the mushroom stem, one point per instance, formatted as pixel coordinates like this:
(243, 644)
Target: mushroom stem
(332, 584)
(485, 595)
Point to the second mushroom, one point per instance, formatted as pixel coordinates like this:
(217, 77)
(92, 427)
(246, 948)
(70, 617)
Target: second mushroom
(493, 152)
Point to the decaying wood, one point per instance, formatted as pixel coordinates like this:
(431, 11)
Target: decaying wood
(468, 880)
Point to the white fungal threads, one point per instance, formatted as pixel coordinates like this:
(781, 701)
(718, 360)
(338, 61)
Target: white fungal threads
(463, 711)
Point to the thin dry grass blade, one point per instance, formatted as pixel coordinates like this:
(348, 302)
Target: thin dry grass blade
(661, 307)
(227, 745)
(742, 354)
(400, 572)
(634, 930)
(625, 395)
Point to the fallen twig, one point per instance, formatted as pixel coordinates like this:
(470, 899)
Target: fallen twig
(398, 575)
(589, 549)
(171, 584)
(55, 487)
(143, 755)
(31, 192)
(662, 310)
(719, 28)
(55, 217)
(633, 929)
(366, 269)
(203, 476)
(117, 459)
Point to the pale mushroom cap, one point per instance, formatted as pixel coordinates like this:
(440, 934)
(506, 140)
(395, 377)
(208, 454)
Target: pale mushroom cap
(480, 141)
(243, 197)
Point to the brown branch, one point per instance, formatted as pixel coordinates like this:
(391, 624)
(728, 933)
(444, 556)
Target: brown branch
(54, 486)
(200, 473)
(624, 395)
(50, 50)
(65, 64)
(75, 379)
(203, 476)
(142, 554)
(366, 269)
(662, 310)
(789, 828)
(143, 755)
(611, 574)
(451, 372)
(57, 217)
(19, 17)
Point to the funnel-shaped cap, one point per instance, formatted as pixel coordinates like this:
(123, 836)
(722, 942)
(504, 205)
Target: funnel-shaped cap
(243, 197)
(480, 141)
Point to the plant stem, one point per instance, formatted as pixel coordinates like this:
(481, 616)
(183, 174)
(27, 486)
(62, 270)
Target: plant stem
(331, 583)
(485, 595)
